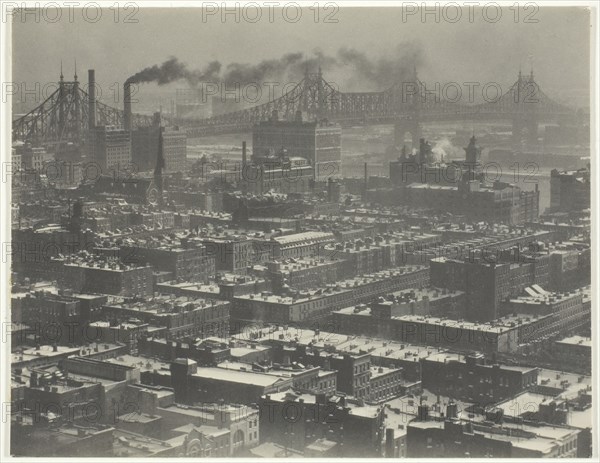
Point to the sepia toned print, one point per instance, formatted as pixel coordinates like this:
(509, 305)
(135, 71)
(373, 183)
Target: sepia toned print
(299, 230)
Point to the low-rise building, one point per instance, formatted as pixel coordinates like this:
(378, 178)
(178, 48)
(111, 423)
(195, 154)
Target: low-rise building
(87, 273)
(182, 317)
(469, 377)
(299, 420)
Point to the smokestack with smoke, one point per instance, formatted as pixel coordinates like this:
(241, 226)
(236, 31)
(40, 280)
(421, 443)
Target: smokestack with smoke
(379, 72)
(366, 73)
(173, 70)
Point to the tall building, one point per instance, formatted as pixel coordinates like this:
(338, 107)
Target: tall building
(174, 149)
(144, 147)
(145, 140)
(486, 284)
(318, 142)
(570, 190)
(111, 148)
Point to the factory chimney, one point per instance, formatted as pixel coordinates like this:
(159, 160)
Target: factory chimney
(127, 106)
(158, 169)
(389, 443)
(92, 99)
(244, 158)
(365, 183)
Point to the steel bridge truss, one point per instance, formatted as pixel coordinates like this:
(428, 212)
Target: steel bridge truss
(64, 115)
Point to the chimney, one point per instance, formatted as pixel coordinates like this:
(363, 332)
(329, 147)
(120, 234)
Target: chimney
(452, 411)
(92, 99)
(423, 412)
(244, 158)
(127, 106)
(389, 443)
(33, 380)
(366, 182)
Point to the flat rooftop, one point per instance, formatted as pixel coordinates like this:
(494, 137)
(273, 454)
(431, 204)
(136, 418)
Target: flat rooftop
(576, 341)
(165, 304)
(235, 375)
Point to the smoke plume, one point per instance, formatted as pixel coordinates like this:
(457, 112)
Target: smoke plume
(357, 68)
(445, 151)
(173, 70)
(385, 71)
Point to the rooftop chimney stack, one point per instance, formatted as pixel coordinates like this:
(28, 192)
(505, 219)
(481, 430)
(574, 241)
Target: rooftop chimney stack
(423, 412)
(92, 99)
(127, 106)
(389, 443)
(452, 411)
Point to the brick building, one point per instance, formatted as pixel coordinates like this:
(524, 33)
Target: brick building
(182, 317)
(570, 190)
(92, 274)
(185, 262)
(111, 149)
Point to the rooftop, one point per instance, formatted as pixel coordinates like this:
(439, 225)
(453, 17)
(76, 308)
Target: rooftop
(165, 304)
(576, 341)
(236, 375)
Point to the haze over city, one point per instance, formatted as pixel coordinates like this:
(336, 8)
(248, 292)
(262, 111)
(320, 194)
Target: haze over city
(557, 45)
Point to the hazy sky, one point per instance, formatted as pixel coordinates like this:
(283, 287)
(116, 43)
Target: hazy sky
(463, 51)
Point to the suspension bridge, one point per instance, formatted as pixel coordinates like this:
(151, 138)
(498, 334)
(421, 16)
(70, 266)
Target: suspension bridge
(67, 114)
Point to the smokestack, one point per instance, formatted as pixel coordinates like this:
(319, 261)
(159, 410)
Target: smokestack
(244, 159)
(389, 443)
(127, 106)
(160, 165)
(92, 97)
(366, 182)
(423, 412)
(452, 411)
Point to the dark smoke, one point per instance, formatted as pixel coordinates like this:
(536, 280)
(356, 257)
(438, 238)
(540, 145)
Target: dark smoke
(382, 72)
(172, 70)
(244, 73)
(356, 66)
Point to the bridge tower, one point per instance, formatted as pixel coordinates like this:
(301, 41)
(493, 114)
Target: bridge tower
(321, 106)
(77, 105)
(407, 106)
(61, 104)
(525, 124)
